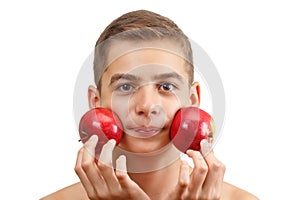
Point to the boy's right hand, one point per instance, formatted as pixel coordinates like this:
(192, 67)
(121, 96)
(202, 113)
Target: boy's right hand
(100, 180)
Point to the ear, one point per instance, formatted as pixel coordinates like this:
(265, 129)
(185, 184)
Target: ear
(93, 97)
(195, 94)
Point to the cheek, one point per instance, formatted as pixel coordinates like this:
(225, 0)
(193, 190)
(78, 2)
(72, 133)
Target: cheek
(170, 108)
(183, 97)
(120, 106)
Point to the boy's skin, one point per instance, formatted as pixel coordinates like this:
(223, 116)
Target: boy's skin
(145, 87)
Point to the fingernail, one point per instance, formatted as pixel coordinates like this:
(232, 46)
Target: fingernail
(91, 144)
(93, 139)
(112, 141)
(188, 152)
(205, 147)
(121, 164)
(106, 152)
(184, 173)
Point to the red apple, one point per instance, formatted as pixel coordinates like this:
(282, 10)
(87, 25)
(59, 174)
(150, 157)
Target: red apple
(103, 123)
(190, 125)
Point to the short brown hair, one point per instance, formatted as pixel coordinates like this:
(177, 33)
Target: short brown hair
(140, 25)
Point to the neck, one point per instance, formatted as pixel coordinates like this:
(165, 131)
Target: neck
(157, 184)
(149, 162)
(156, 172)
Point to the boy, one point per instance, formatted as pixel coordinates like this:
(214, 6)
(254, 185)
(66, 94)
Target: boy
(143, 71)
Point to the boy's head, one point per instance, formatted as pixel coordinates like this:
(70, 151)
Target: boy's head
(144, 72)
(141, 27)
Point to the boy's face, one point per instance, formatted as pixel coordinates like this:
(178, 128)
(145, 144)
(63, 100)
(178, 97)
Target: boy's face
(145, 88)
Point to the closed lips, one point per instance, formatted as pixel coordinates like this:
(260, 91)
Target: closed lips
(146, 131)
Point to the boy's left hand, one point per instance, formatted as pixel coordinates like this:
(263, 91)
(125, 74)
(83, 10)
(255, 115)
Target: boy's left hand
(206, 179)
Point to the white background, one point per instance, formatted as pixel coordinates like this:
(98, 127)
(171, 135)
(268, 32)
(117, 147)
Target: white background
(255, 45)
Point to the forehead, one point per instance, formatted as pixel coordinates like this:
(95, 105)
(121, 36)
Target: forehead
(146, 57)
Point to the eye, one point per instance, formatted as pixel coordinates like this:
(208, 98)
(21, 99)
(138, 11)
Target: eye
(167, 87)
(126, 88)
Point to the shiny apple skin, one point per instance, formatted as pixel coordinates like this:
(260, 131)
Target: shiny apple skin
(191, 125)
(103, 123)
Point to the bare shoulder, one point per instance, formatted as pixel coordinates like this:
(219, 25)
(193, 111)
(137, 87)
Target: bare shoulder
(72, 192)
(233, 192)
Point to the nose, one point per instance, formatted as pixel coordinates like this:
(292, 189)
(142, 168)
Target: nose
(146, 101)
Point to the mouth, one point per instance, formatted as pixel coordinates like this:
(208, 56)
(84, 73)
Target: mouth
(143, 132)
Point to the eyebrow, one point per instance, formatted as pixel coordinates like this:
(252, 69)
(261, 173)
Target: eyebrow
(128, 77)
(169, 75)
(131, 77)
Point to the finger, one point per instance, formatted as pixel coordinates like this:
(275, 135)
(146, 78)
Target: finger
(106, 153)
(216, 171)
(198, 174)
(121, 172)
(121, 165)
(128, 186)
(90, 167)
(183, 181)
(105, 165)
(90, 145)
(81, 174)
(206, 148)
(184, 174)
